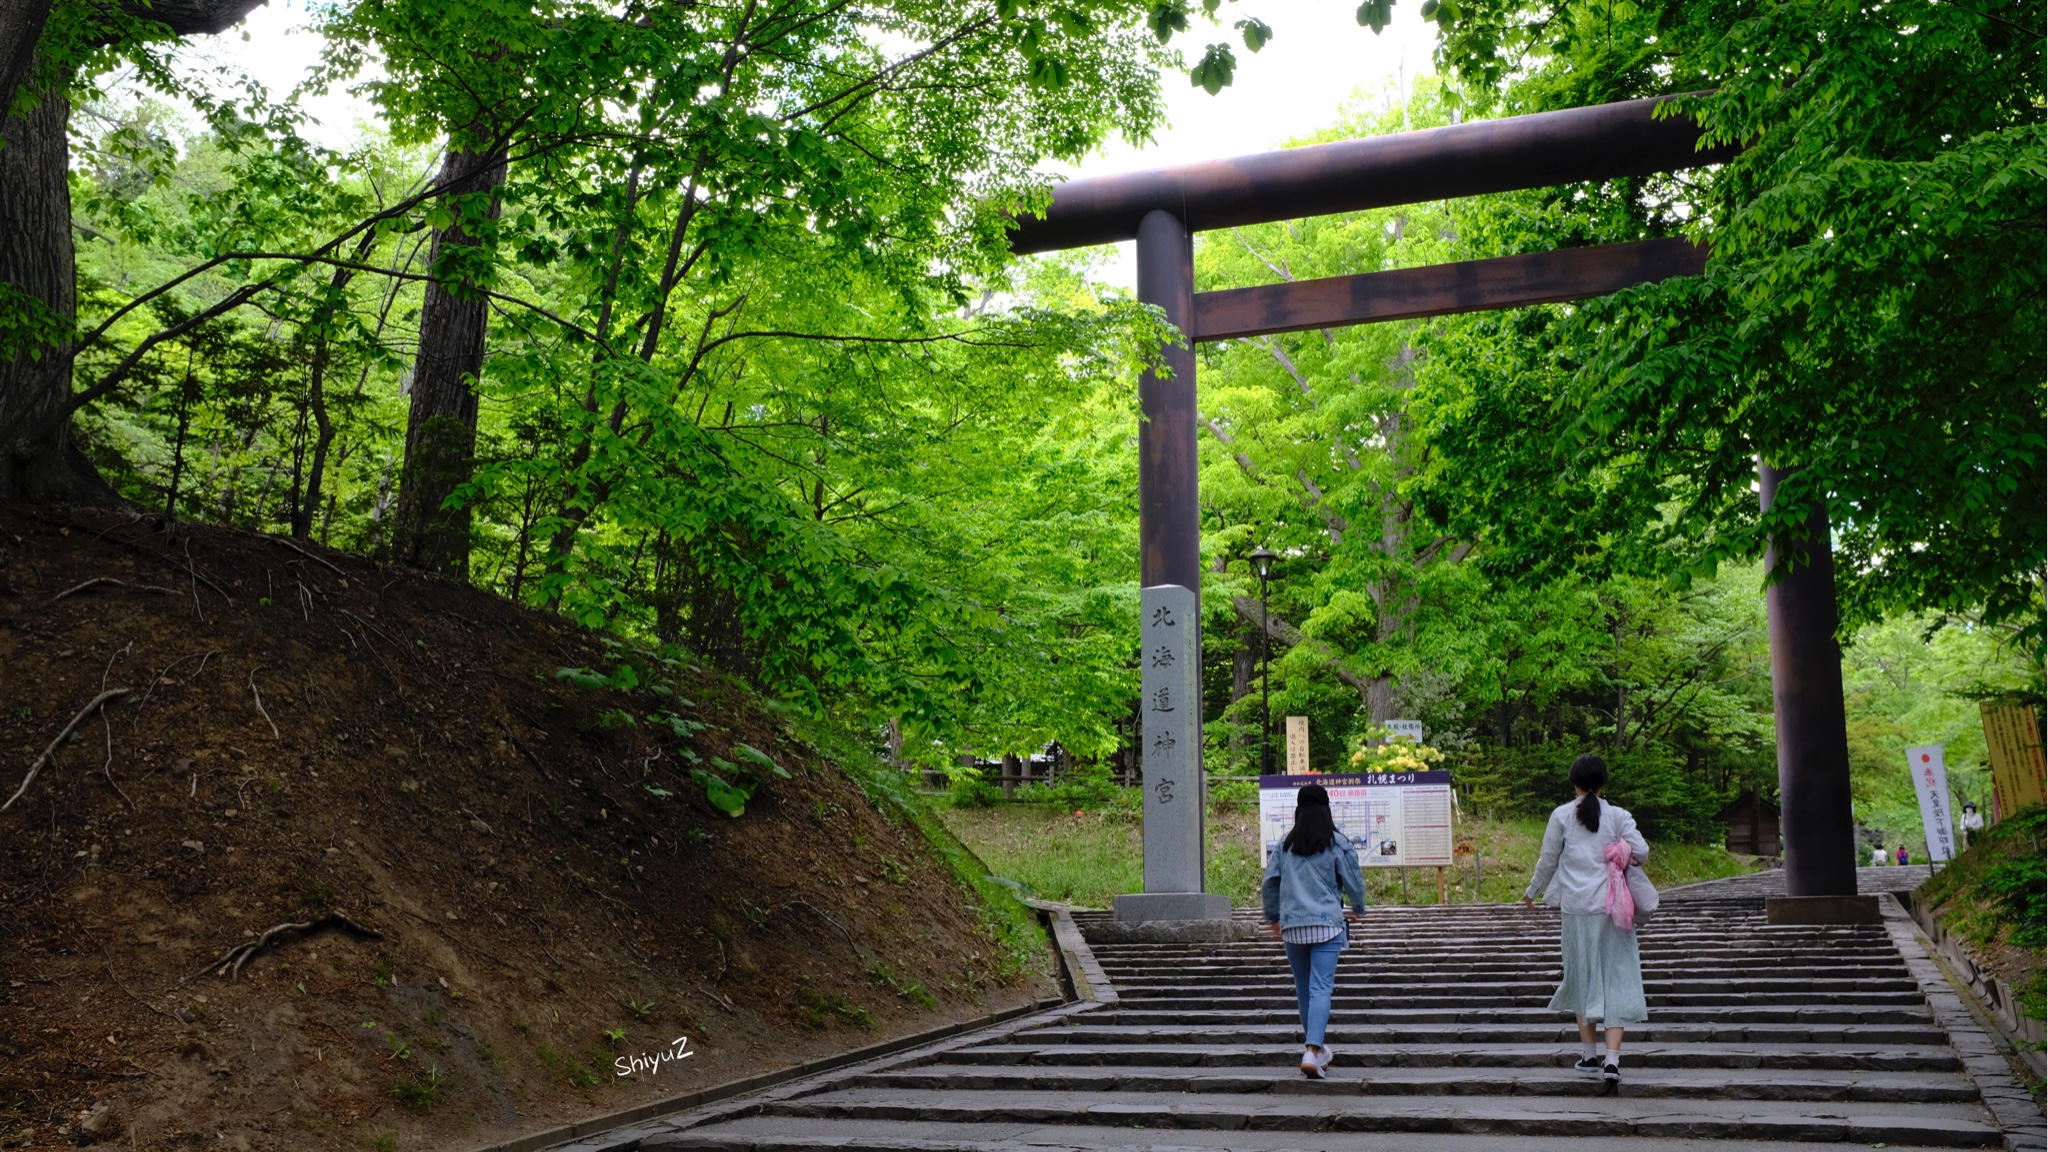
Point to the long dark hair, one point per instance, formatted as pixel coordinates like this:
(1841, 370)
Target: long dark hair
(1590, 773)
(1313, 828)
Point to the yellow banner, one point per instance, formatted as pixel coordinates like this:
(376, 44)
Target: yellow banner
(2019, 777)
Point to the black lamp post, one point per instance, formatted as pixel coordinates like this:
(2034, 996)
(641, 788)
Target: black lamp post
(1262, 563)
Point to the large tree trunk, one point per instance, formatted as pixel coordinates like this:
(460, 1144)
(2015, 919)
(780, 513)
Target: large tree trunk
(21, 25)
(38, 460)
(440, 434)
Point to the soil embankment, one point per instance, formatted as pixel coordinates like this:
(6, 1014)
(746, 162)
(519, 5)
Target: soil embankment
(515, 880)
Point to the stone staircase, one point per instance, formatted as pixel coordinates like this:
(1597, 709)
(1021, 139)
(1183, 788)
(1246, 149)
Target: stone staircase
(1776, 1034)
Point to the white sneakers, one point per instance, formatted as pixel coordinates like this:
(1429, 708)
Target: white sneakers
(1314, 1059)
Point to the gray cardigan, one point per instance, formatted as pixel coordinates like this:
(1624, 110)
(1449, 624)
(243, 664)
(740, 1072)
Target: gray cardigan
(1572, 871)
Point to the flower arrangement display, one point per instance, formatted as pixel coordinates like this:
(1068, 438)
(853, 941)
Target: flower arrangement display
(1381, 751)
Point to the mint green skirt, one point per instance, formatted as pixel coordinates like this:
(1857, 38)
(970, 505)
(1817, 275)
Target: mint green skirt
(1603, 974)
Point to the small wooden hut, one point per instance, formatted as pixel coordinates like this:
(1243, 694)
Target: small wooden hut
(1752, 824)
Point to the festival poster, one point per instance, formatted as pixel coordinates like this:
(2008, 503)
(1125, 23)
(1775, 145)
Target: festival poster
(1393, 819)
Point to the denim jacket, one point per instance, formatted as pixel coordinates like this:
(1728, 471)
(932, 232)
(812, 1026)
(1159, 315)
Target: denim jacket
(1303, 890)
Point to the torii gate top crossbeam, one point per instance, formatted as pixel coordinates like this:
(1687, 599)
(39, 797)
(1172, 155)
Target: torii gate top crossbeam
(1601, 142)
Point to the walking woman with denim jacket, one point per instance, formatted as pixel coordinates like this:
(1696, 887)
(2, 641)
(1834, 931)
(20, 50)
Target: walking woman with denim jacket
(1306, 882)
(1603, 973)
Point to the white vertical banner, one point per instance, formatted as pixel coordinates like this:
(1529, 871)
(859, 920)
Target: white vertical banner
(1930, 782)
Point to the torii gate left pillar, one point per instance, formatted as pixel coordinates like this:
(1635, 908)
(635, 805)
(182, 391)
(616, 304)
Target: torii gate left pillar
(1170, 620)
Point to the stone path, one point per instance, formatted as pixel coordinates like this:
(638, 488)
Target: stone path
(1777, 1035)
(1771, 882)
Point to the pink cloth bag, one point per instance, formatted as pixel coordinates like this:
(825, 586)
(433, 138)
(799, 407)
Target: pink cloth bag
(1621, 903)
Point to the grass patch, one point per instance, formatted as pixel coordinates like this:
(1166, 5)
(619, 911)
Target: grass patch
(1088, 857)
(824, 1009)
(1021, 945)
(421, 1092)
(1995, 898)
(571, 1071)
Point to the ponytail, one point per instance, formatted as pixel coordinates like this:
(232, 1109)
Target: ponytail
(1589, 772)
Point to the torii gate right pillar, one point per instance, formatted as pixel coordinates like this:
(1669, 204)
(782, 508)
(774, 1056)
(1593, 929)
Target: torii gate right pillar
(1813, 748)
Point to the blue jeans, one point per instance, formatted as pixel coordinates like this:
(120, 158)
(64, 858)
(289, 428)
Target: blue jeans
(1315, 978)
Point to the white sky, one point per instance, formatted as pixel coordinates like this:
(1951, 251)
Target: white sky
(1319, 57)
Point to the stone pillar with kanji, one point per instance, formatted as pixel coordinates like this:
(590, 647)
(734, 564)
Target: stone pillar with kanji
(1169, 627)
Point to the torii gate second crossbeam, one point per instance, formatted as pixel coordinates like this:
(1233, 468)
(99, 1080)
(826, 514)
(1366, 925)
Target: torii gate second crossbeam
(1162, 208)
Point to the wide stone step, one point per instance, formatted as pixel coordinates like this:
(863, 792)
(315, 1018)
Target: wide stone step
(1558, 1032)
(1469, 944)
(1531, 959)
(1537, 997)
(1451, 982)
(1285, 1014)
(1940, 1125)
(1793, 1056)
(1668, 1083)
(1725, 991)
(786, 1134)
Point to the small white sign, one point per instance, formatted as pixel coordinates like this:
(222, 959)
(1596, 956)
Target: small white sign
(1930, 782)
(1412, 729)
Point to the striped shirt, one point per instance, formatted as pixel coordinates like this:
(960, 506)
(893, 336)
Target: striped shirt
(1311, 933)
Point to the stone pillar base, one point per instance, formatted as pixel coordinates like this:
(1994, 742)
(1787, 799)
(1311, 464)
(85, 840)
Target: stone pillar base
(1172, 906)
(1822, 910)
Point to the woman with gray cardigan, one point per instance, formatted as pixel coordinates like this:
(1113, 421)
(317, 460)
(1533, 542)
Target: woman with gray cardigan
(1603, 973)
(1307, 878)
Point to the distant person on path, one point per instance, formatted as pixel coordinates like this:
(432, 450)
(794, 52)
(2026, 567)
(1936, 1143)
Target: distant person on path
(1903, 858)
(1877, 859)
(1973, 823)
(1603, 973)
(1306, 881)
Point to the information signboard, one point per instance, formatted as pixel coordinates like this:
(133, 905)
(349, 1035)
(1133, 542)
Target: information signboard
(1412, 729)
(1393, 819)
(2013, 740)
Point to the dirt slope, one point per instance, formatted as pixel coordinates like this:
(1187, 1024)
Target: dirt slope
(548, 889)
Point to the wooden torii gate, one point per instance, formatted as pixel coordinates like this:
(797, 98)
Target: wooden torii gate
(1163, 207)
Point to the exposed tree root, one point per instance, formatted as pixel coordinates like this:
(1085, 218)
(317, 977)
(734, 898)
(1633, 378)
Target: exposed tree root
(36, 767)
(230, 963)
(80, 587)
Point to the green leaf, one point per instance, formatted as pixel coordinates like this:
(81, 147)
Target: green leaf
(1167, 18)
(1048, 72)
(749, 752)
(1213, 74)
(1256, 33)
(1376, 15)
(725, 796)
(583, 677)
